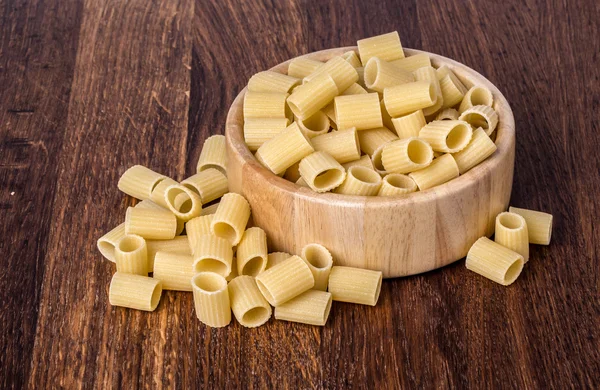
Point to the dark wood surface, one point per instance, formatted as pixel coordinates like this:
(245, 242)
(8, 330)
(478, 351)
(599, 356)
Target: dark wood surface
(88, 88)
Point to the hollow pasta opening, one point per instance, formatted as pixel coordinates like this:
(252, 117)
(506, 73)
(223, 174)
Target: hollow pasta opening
(255, 316)
(225, 230)
(400, 181)
(365, 174)
(328, 178)
(254, 266)
(458, 137)
(481, 96)
(107, 249)
(214, 166)
(209, 282)
(371, 72)
(156, 293)
(513, 272)
(317, 256)
(377, 291)
(295, 110)
(211, 265)
(432, 94)
(476, 120)
(419, 151)
(327, 310)
(377, 159)
(511, 221)
(316, 123)
(131, 243)
(183, 203)
(265, 292)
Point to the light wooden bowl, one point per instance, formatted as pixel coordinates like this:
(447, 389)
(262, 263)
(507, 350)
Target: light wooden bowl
(399, 236)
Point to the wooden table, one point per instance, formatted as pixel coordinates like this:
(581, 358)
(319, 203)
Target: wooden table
(88, 88)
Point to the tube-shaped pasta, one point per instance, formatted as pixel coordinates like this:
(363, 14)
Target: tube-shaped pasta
(107, 243)
(361, 76)
(412, 63)
(443, 71)
(447, 114)
(319, 261)
(179, 246)
(481, 116)
(406, 98)
(174, 271)
(342, 145)
(197, 227)
(248, 304)
(275, 258)
(428, 74)
(311, 307)
(453, 90)
(213, 154)
(257, 131)
(342, 73)
(284, 150)
(233, 274)
(539, 225)
(511, 232)
(363, 161)
(211, 299)
(406, 155)
(447, 136)
(440, 171)
(360, 181)
(285, 280)
(150, 224)
(494, 261)
(314, 125)
(150, 205)
(354, 89)
(266, 105)
(321, 172)
(329, 110)
(158, 193)
(480, 148)
(302, 67)
(355, 285)
(270, 81)
(293, 172)
(380, 74)
(385, 46)
(376, 158)
(134, 291)
(131, 255)
(360, 111)
(307, 99)
(478, 95)
(396, 184)
(385, 116)
(210, 184)
(139, 181)
(183, 202)
(352, 58)
(208, 210)
(302, 183)
(252, 252)
(231, 218)
(408, 126)
(370, 140)
(212, 254)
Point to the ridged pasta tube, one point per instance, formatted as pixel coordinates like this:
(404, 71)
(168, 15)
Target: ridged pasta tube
(158, 193)
(302, 67)
(342, 73)
(386, 46)
(447, 136)
(406, 155)
(270, 81)
(307, 99)
(321, 172)
(139, 181)
(107, 243)
(284, 150)
(412, 63)
(480, 148)
(360, 181)
(184, 202)
(494, 261)
(511, 232)
(453, 90)
(314, 125)
(428, 74)
(476, 96)
(231, 218)
(355, 285)
(197, 227)
(408, 126)
(539, 225)
(447, 114)
(252, 252)
(342, 145)
(285, 280)
(134, 291)
(211, 299)
(380, 74)
(150, 224)
(179, 245)
(319, 261)
(440, 171)
(266, 105)
(174, 271)
(131, 255)
(352, 58)
(363, 161)
(311, 307)
(210, 184)
(481, 116)
(396, 184)
(213, 154)
(359, 111)
(249, 306)
(410, 97)
(212, 254)
(372, 139)
(257, 131)
(275, 258)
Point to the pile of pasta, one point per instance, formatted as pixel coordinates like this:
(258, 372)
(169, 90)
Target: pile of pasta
(194, 236)
(369, 123)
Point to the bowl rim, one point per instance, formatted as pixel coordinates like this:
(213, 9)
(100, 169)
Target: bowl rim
(505, 141)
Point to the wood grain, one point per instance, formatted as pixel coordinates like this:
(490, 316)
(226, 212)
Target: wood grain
(92, 87)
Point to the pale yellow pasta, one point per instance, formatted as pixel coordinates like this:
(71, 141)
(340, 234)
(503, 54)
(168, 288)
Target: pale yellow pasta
(360, 181)
(210, 184)
(539, 225)
(359, 111)
(355, 285)
(377, 160)
(158, 193)
(149, 205)
(352, 58)
(342, 145)
(408, 126)
(248, 304)
(440, 171)
(184, 202)
(257, 131)
(134, 291)
(302, 67)
(363, 161)
(150, 224)
(342, 73)
(453, 90)
(385, 116)
(213, 154)
(406, 155)
(211, 299)
(321, 172)
(380, 74)
(480, 148)
(476, 96)
(447, 114)
(107, 243)
(252, 252)
(372, 139)
(428, 74)
(131, 255)
(443, 71)
(447, 136)
(412, 63)
(361, 76)
(396, 184)
(511, 232)
(179, 245)
(197, 227)
(284, 150)
(311, 307)
(212, 254)
(233, 274)
(314, 125)
(410, 97)
(174, 271)
(208, 210)
(354, 89)
(270, 81)
(302, 183)
(311, 97)
(329, 110)
(266, 105)
(231, 218)
(285, 281)
(481, 116)
(275, 258)
(319, 261)
(139, 181)
(385, 46)
(293, 172)
(494, 261)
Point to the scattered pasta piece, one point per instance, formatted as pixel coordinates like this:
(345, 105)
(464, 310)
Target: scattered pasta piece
(494, 261)
(539, 225)
(355, 285)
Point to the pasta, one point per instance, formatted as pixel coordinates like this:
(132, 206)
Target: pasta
(197, 227)
(249, 306)
(270, 81)
(372, 139)
(212, 254)
(385, 46)
(285, 149)
(131, 255)
(539, 225)
(210, 184)
(361, 76)
(481, 116)
(406, 155)
(447, 114)
(441, 170)
(355, 285)
(107, 243)
(320, 261)
(174, 271)
(139, 181)
(511, 232)
(453, 90)
(302, 67)
(134, 291)
(276, 258)
(385, 116)
(329, 110)
(476, 96)
(380, 74)
(158, 193)
(480, 148)
(359, 111)
(179, 246)
(252, 252)
(189, 204)
(257, 131)
(293, 172)
(213, 154)
(412, 63)
(209, 210)
(342, 73)
(352, 58)
(150, 224)
(341, 145)
(285, 281)
(443, 71)
(266, 105)
(302, 183)
(360, 181)
(396, 184)
(229, 222)
(311, 307)
(354, 89)
(364, 161)
(233, 274)
(376, 158)
(314, 125)
(309, 98)
(494, 261)
(321, 172)
(408, 126)
(150, 205)
(447, 136)
(211, 299)
(406, 98)
(428, 74)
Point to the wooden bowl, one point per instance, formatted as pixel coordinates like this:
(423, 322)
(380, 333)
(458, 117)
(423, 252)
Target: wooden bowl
(400, 236)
